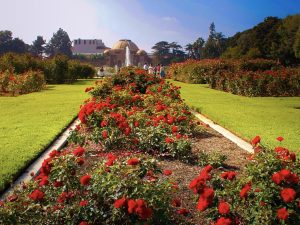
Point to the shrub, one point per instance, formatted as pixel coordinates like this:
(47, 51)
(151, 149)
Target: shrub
(267, 192)
(245, 77)
(117, 191)
(16, 84)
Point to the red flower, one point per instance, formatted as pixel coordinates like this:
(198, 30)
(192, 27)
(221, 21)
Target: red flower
(63, 197)
(119, 203)
(245, 190)
(57, 184)
(53, 153)
(83, 203)
(136, 124)
(104, 134)
(12, 198)
(285, 173)
(104, 123)
(223, 221)
(44, 181)
(142, 210)
(228, 175)
(78, 151)
(169, 140)
(85, 180)
(176, 202)
(174, 129)
(277, 178)
(133, 161)
(131, 206)
(282, 214)
(37, 195)
(255, 140)
(83, 223)
(80, 161)
(203, 203)
(167, 172)
(224, 208)
(293, 157)
(288, 194)
(182, 211)
(280, 139)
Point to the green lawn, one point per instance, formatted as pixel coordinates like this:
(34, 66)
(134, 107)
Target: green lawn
(268, 117)
(29, 122)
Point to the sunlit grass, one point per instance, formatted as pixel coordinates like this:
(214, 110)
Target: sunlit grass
(30, 122)
(268, 117)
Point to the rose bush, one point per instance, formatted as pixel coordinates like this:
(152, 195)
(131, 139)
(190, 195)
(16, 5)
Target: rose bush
(249, 77)
(267, 192)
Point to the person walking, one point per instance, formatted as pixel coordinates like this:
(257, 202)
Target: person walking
(162, 72)
(150, 69)
(158, 70)
(145, 67)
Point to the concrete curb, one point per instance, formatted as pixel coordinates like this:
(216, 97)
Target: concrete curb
(58, 144)
(226, 133)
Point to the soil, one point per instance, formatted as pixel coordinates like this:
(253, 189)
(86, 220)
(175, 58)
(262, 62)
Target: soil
(183, 173)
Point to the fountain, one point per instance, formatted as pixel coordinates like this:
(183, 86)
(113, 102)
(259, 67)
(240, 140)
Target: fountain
(127, 57)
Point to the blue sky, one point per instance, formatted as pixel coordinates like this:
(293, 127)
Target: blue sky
(143, 21)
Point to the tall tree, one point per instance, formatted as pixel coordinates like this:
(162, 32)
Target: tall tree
(190, 50)
(297, 44)
(10, 44)
(38, 46)
(161, 52)
(60, 43)
(198, 47)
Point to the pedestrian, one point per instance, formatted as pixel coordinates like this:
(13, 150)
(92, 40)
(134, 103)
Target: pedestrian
(102, 71)
(150, 69)
(145, 67)
(162, 72)
(158, 70)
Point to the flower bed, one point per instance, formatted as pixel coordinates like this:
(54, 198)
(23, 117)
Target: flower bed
(249, 78)
(17, 84)
(109, 173)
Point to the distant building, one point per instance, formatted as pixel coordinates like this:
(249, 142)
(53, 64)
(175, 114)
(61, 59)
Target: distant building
(88, 46)
(116, 55)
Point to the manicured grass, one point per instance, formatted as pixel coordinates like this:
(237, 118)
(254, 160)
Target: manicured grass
(268, 117)
(30, 122)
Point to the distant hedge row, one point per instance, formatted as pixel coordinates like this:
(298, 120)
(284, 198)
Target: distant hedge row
(56, 70)
(258, 77)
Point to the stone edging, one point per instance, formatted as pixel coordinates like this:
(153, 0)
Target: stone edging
(226, 133)
(57, 144)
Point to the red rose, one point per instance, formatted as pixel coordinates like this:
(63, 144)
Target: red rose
(83, 223)
(131, 206)
(277, 178)
(85, 180)
(37, 195)
(167, 172)
(53, 153)
(280, 139)
(136, 124)
(142, 210)
(174, 129)
(182, 211)
(245, 190)
(255, 140)
(288, 194)
(169, 140)
(176, 202)
(104, 134)
(119, 203)
(63, 197)
(203, 203)
(223, 221)
(80, 161)
(44, 181)
(224, 208)
(78, 151)
(83, 203)
(282, 214)
(104, 123)
(133, 161)
(57, 184)
(228, 175)
(285, 173)
(293, 157)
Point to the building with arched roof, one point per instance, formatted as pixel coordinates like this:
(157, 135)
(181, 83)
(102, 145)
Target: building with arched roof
(116, 55)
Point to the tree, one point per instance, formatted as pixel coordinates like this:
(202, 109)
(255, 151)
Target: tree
(161, 53)
(60, 43)
(10, 44)
(198, 47)
(215, 44)
(189, 48)
(38, 46)
(297, 44)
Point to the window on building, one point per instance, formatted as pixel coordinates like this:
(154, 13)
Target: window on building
(84, 42)
(93, 42)
(79, 41)
(90, 42)
(75, 42)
